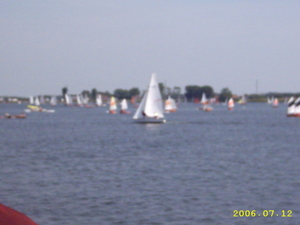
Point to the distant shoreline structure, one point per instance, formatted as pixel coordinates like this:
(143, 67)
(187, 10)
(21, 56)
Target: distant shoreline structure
(250, 97)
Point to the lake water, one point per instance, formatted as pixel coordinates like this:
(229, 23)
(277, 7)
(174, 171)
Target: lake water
(84, 166)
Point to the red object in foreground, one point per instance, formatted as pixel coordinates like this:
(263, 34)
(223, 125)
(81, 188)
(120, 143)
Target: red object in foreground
(10, 216)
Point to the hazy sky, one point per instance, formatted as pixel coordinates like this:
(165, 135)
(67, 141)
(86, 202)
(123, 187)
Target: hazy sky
(48, 44)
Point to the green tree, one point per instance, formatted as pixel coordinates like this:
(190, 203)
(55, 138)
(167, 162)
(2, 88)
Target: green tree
(134, 92)
(162, 89)
(94, 94)
(64, 91)
(193, 91)
(225, 94)
(121, 93)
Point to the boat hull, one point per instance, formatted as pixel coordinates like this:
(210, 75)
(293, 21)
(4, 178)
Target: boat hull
(149, 120)
(293, 115)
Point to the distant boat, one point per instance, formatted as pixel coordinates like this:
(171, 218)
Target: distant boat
(124, 107)
(293, 109)
(79, 100)
(230, 104)
(243, 100)
(98, 100)
(31, 100)
(68, 100)
(150, 109)
(204, 100)
(275, 103)
(53, 100)
(170, 105)
(112, 105)
(37, 101)
(19, 116)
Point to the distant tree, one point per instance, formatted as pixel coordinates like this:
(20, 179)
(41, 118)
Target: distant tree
(208, 90)
(225, 94)
(162, 89)
(134, 92)
(64, 91)
(86, 93)
(94, 94)
(193, 91)
(122, 93)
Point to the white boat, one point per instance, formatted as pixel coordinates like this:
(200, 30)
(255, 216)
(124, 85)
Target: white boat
(53, 100)
(112, 105)
(275, 103)
(293, 109)
(230, 104)
(31, 100)
(170, 105)
(79, 100)
(243, 100)
(150, 109)
(204, 100)
(69, 100)
(98, 100)
(124, 107)
(37, 101)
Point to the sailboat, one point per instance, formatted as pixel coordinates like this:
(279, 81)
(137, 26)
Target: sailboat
(112, 105)
(170, 105)
(98, 100)
(230, 104)
(293, 109)
(79, 100)
(150, 109)
(53, 100)
(204, 100)
(69, 100)
(124, 107)
(243, 100)
(275, 103)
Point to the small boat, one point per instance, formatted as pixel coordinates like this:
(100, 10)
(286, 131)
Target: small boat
(275, 103)
(170, 105)
(150, 109)
(293, 109)
(230, 104)
(243, 100)
(9, 216)
(53, 100)
(124, 107)
(112, 106)
(98, 100)
(20, 116)
(33, 108)
(204, 100)
(207, 108)
(68, 100)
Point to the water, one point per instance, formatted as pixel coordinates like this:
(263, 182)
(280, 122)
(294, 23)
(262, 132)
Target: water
(84, 166)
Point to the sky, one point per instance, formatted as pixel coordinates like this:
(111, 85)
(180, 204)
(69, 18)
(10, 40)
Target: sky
(46, 45)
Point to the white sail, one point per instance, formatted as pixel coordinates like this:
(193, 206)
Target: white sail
(98, 100)
(170, 104)
(31, 100)
(37, 101)
(79, 100)
(139, 112)
(112, 104)
(68, 100)
(297, 106)
(230, 103)
(151, 105)
(53, 100)
(291, 106)
(204, 99)
(124, 105)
